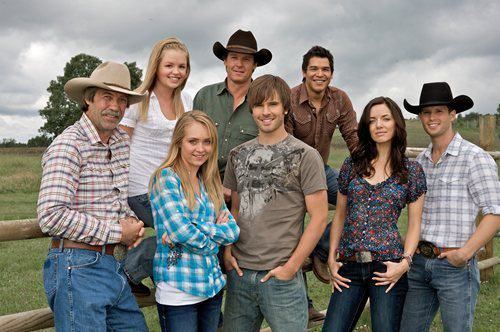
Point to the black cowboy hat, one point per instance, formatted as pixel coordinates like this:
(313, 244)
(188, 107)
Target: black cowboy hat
(243, 42)
(439, 93)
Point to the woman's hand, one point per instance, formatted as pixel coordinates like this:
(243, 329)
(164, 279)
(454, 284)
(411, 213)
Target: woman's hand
(337, 279)
(392, 275)
(223, 217)
(165, 240)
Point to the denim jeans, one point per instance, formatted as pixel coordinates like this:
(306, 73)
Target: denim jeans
(202, 317)
(138, 264)
(346, 307)
(282, 303)
(88, 291)
(323, 246)
(435, 283)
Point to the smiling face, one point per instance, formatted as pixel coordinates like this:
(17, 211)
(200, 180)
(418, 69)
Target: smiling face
(317, 75)
(382, 124)
(239, 67)
(172, 69)
(196, 146)
(105, 111)
(269, 115)
(437, 120)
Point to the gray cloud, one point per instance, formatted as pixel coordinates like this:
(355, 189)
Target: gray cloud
(380, 48)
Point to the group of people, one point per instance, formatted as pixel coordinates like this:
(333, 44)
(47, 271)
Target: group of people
(226, 180)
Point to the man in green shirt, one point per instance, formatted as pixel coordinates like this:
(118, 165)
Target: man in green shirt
(226, 102)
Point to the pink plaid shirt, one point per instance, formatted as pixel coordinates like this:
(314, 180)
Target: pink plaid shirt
(83, 193)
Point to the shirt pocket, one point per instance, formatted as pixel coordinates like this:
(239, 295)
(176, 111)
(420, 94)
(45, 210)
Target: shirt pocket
(247, 133)
(303, 124)
(331, 122)
(450, 187)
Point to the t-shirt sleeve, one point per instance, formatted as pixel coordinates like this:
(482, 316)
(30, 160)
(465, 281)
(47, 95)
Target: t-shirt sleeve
(345, 175)
(312, 173)
(187, 101)
(417, 185)
(229, 176)
(131, 116)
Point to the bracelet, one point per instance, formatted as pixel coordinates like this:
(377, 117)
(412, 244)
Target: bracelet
(408, 259)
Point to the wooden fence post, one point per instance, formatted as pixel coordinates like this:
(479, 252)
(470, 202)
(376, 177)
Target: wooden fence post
(487, 125)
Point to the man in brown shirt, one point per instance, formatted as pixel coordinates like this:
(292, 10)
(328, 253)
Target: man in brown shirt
(317, 109)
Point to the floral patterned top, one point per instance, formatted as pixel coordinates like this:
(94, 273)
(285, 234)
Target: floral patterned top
(373, 211)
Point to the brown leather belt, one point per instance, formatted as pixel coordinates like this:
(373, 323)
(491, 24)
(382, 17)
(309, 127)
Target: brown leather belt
(68, 244)
(359, 257)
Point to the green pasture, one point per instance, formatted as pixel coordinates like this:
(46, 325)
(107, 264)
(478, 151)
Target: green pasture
(21, 287)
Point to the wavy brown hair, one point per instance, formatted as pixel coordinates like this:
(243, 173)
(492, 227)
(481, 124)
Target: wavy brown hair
(366, 151)
(208, 172)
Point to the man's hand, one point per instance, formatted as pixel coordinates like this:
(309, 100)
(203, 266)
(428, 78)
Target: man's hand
(230, 262)
(281, 273)
(132, 232)
(457, 258)
(227, 194)
(337, 279)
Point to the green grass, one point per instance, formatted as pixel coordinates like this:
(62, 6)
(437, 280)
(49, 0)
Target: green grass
(21, 262)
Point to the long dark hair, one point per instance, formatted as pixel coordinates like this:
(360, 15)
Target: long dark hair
(366, 151)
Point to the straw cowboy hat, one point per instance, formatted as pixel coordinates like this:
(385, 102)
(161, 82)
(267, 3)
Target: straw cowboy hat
(439, 93)
(243, 42)
(109, 76)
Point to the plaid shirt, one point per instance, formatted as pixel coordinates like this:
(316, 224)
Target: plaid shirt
(83, 192)
(464, 180)
(191, 265)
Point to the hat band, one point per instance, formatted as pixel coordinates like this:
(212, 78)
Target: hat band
(241, 47)
(117, 85)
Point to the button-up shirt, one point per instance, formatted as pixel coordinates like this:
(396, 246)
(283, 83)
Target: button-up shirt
(191, 265)
(234, 127)
(462, 182)
(315, 127)
(83, 192)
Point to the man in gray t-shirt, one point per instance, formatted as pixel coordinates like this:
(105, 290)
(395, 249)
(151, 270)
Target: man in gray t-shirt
(274, 179)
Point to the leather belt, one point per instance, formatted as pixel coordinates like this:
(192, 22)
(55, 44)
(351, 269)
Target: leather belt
(430, 250)
(68, 244)
(358, 257)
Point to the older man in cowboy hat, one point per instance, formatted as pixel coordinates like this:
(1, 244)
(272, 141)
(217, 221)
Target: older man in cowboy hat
(83, 205)
(462, 179)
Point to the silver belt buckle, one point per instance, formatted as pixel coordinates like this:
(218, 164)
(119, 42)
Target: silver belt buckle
(363, 257)
(120, 252)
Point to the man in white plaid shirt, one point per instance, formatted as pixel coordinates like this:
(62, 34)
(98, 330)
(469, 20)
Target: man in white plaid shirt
(462, 179)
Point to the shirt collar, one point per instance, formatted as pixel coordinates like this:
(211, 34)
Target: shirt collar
(304, 97)
(452, 149)
(91, 132)
(222, 87)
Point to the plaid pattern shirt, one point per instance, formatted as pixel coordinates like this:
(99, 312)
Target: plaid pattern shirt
(191, 265)
(83, 192)
(462, 182)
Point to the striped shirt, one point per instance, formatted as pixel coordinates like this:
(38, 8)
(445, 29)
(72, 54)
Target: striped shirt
(191, 265)
(462, 182)
(83, 192)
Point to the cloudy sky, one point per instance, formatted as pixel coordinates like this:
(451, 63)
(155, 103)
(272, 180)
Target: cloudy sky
(380, 47)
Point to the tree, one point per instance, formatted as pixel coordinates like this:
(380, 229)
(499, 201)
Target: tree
(39, 141)
(60, 112)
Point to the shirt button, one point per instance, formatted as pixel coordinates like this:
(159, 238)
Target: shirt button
(229, 123)
(225, 139)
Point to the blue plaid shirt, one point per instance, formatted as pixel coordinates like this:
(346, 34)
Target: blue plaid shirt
(191, 265)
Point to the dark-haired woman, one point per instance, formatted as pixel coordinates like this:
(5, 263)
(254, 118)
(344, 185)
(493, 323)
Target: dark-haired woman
(367, 258)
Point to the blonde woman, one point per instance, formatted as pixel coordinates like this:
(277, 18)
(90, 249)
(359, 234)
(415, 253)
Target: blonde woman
(191, 220)
(150, 125)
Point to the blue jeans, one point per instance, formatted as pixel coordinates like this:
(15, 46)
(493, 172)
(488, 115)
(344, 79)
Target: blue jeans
(202, 317)
(282, 303)
(435, 283)
(88, 291)
(138, 264)
(323, 246)
(346, 307)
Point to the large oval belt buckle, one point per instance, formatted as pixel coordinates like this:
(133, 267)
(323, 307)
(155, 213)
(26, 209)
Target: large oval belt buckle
(120, 252)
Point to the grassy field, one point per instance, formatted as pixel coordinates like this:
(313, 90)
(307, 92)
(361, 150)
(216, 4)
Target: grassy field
(21, 286)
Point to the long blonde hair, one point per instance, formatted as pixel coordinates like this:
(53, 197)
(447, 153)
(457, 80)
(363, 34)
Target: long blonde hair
(208, 172)
(148, 84)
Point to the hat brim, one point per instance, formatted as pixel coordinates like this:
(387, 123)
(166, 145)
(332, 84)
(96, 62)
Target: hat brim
(459, 104)
(262, 57)
(75, 89)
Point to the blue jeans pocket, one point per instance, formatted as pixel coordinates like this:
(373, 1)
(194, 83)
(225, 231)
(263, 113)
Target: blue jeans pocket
(50, 274)
(84, 259)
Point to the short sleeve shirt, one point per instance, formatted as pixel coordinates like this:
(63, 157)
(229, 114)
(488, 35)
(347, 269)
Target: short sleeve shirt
(272, 182)
(373, 211)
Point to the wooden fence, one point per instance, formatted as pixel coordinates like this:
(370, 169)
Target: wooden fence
(33, 320)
